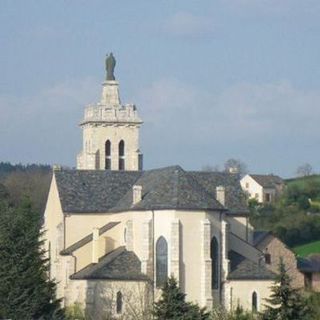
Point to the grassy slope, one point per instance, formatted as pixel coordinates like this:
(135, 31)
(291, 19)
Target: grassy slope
(302, 180)
(306, 249)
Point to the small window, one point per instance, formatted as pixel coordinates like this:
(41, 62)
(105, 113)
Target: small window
(247, 185)
(308, 281)
(254, 302)
(267, 258)
(256, 196)
(119, 302)
(267, 197)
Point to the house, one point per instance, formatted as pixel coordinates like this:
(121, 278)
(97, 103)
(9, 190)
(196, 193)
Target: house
(273, 251)
(310, 267)
(263, 188)
(115, 232)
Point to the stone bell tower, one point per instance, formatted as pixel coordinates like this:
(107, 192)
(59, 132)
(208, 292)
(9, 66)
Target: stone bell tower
(110, 130)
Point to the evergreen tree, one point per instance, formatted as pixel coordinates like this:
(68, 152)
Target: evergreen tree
(285, 303)
(172, 305)
(25, 291)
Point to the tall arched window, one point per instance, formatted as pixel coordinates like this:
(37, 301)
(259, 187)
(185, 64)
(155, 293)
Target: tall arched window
(119, 302)
(161, 261)
(254, 302)
(121, 155)
(214, 254)
(108, 155)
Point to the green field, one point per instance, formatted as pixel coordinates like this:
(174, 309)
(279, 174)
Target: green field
(301, 181)
(306, 249)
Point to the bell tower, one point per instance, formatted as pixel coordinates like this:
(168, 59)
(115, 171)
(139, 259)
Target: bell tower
(110, 130)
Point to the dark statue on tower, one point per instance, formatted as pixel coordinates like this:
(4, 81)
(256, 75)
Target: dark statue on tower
(110, 64)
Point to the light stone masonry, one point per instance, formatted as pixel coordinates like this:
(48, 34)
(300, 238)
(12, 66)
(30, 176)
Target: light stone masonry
(175, 249)
(206, 293)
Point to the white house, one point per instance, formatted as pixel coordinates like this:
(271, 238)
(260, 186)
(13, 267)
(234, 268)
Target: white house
(263, 188)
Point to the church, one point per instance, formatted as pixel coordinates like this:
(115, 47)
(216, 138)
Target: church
(115, 232)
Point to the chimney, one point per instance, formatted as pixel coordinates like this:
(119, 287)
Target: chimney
(233, 170)
(56, 167)
(137, 194)
(95, 245)
(221, 194)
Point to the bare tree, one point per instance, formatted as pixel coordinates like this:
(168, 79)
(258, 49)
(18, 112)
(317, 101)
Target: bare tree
(235, 166)
(304, 170)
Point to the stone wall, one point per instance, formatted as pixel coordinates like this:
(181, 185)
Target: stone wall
(277, 249)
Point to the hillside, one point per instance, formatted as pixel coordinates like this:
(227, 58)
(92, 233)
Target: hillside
(307, 249)
(31, 180)
(295, 216)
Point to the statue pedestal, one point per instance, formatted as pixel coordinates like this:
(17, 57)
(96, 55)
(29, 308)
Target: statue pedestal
(110, 93)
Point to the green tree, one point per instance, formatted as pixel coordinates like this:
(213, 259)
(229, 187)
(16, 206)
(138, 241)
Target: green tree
(285, 303)
(172, 305)
(25, 291)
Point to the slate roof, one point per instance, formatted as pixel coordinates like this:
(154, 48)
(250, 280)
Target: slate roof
(93, 191)
(87, 239)
(242, 268)
(309, 264)
(267, 181)
(119, 264)
(258, 236)
(235, 197)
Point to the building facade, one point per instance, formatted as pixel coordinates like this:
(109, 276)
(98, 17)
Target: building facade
(115, 233)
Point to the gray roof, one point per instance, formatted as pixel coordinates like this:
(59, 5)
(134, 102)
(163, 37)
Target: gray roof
(85, 191)
(267, 180)
(309, 264)
(242, 268)
(235, 197)
(258, 236)
(87, 239)
(119, 264)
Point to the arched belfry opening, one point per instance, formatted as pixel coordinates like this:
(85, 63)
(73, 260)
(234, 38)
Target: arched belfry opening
(214, 255)
(108, 155)
(121, 155)
(161, 261)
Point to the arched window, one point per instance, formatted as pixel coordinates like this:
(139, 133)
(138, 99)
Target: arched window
(214, 254)
(108, 155)
(254, 302)
(121, 155)
(119, 302)
(161, 261)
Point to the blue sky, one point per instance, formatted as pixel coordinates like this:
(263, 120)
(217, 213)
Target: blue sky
(211, 79)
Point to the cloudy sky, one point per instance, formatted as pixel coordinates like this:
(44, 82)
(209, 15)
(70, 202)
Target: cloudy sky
(212, 79)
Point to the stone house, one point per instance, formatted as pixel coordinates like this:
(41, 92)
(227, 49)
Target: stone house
(274, 250)
(310, 267)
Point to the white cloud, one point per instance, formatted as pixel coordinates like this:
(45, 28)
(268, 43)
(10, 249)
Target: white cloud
(43, 127)
(185, 24)
(191, 125)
